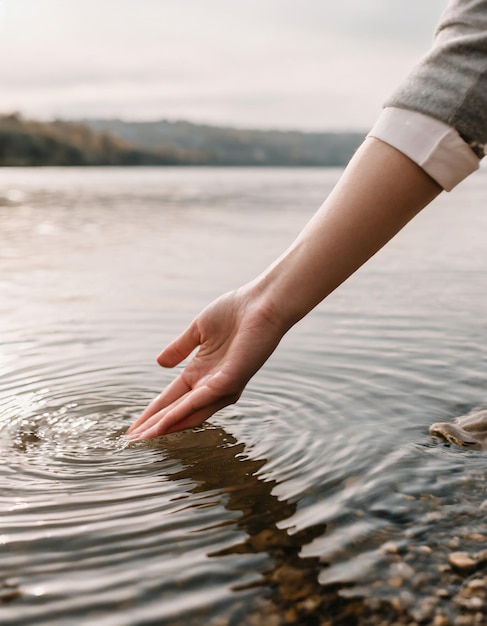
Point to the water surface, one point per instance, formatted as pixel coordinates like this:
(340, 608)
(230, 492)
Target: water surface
(319, 496)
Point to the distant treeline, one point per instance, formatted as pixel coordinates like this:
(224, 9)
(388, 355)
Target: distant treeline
(27, 142)
(117, 142)
(214, 145)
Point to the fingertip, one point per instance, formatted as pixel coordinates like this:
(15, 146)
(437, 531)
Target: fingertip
(142, 435)
(164, 358)
(134, 437)
(133, 427)
(180, 348)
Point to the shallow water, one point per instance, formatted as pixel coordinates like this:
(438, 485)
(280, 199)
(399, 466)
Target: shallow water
(283, 508)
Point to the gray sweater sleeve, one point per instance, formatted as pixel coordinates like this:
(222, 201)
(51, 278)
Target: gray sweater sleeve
(450, 83)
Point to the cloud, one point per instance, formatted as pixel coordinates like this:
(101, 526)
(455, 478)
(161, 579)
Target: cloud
(274, 63)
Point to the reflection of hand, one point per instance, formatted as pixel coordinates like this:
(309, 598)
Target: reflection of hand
(235, 335)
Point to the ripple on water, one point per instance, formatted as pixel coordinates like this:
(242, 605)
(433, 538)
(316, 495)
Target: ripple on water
(74, 491)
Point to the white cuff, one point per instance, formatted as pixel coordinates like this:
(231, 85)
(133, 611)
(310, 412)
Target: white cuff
(436, 147)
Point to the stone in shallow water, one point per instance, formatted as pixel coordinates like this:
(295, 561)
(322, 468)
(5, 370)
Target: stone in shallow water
(467, 431)
(462, 561)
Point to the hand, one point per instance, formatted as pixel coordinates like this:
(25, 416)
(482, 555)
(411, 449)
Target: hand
(235, 335)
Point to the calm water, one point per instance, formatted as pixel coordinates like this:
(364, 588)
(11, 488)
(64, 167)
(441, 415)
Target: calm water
(279, 509)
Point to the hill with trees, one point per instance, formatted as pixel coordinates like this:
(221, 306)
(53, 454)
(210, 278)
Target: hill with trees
(26, 142)
(215, 145)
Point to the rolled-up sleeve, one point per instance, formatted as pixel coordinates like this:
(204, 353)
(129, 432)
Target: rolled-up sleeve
(432, 144)
(438, 115)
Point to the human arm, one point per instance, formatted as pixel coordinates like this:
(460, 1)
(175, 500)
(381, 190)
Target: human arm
(378, 193)
(434, 129)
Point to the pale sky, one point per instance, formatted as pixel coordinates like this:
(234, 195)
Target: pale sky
(300, 64)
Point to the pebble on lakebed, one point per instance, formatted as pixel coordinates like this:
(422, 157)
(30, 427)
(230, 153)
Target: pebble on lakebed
(9, 590)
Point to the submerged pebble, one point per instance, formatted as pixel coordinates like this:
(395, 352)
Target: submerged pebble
(462, 561)
(9, 590)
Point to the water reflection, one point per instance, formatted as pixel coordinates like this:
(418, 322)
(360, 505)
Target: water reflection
(287, 580)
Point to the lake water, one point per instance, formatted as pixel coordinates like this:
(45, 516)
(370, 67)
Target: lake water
(320, 498)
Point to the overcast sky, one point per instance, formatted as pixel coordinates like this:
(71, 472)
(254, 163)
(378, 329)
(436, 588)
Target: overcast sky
(303, 64)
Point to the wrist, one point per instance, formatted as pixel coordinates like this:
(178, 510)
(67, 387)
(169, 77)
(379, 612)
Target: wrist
(272, 300)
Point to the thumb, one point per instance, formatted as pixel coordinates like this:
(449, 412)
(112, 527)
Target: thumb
(180, 348)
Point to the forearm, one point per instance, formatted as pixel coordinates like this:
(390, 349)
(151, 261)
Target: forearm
(379, 192)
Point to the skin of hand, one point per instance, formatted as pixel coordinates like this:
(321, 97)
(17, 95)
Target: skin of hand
(236, 335)
(378, 193)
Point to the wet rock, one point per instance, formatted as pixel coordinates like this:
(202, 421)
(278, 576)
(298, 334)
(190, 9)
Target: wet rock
(441, 620)
(291, 616)
(476, 585)
(402, 569)
(474, 603)
(9, 590)
(11, 582)
(462, 561)
(397, 604)
(481, 557)
(424, 609)
(395, 582)
(421, 579)
(390, 547)
(310, 604)
(467, 431)
(265, 620)
(407, 599)
(292, 582)
(269, 538)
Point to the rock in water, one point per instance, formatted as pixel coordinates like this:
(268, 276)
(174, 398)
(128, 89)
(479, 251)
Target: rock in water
(467, 431)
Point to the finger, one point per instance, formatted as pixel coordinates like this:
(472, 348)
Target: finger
(175, 352)
(150, 417)
(180, 348)
(168, 424)
(198, 418)
(171, 394)
(199, 403)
